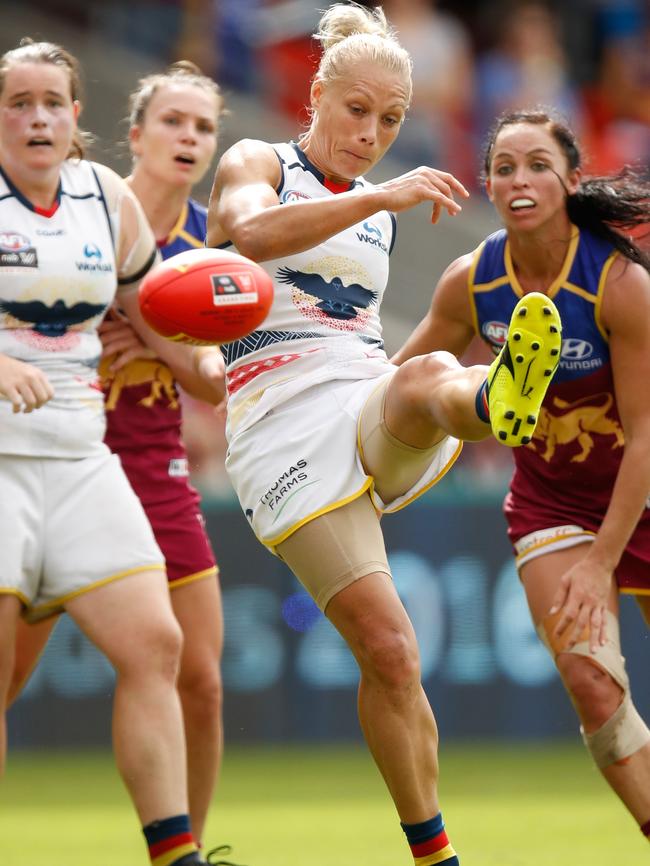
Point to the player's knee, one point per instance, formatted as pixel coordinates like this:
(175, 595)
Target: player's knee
(620, 737)
(417, 380)
(201, 689)
(156, 651)
(612, 728)
(422, 373)
(594, 692)
(168, 642)
(391, 657)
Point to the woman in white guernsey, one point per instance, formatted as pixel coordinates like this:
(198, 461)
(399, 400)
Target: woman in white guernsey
(73, 534)
(324, 433)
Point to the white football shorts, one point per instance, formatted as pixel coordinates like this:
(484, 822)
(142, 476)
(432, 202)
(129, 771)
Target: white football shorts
(302, 459)
(68, 526)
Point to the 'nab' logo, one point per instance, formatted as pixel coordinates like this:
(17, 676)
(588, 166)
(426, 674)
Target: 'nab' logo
(16, 251)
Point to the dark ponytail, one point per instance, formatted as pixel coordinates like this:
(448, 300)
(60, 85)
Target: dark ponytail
(611, 206)
(607, 206)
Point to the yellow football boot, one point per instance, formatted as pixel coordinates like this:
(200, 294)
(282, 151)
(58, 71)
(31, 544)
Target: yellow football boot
(522, 371)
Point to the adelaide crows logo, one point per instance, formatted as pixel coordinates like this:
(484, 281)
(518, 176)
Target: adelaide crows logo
(49, 325)
(342, 306)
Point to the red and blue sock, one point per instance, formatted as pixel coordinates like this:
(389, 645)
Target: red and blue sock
(171, 842)
(429, 843)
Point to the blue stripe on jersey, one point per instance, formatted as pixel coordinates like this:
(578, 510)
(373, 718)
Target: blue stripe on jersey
(105, 205)
(280, 186)
(16, 193)
(307, 165)
(81, 197)
(393, 219)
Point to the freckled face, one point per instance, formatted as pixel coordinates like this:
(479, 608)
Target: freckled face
(357, 118)
(178, 137)
(527, 171)
(38, 118)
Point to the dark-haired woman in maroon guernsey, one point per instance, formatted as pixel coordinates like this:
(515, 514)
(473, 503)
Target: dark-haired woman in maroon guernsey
(578, 507)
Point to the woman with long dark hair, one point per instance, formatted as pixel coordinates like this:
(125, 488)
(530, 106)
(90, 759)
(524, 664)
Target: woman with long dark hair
(578, 507)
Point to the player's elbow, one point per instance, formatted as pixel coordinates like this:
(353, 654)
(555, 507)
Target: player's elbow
(258, 240)
(254, 247)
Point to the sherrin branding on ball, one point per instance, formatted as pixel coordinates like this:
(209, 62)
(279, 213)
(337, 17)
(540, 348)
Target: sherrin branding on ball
(205, 296)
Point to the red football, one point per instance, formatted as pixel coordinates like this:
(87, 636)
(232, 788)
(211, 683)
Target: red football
(206, 296)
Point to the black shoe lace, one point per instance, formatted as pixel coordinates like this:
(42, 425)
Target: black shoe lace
(210, 857)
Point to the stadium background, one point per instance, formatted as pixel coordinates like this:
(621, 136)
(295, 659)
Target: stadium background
(288, 677)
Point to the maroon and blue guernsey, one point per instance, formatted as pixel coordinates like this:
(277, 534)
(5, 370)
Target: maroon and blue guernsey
(143, 418)
(567, 472)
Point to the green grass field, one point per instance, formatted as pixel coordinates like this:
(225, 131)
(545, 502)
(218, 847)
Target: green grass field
(504, 806)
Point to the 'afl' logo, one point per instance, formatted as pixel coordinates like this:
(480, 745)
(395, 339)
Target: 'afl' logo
(495, 332)
(576, 350)
(13, 242)
(293, 195)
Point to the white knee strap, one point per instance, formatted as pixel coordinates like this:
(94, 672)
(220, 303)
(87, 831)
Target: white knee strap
(621, 736)
(625, 732)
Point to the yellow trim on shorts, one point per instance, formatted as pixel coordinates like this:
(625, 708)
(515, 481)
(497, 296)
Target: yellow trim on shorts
(53, 607)
(19, 595)
(540, 544)
(630, 590)
(454, 457)
(191, 578)
(273, 542)
(385, 383)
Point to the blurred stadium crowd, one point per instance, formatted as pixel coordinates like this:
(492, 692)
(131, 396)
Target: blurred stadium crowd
(472, 60)
(588, 58)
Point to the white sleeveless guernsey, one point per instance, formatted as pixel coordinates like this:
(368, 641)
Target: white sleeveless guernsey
(297, 386)
(324, 320)
(57, 278)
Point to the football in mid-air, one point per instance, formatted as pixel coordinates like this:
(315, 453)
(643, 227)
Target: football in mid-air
(205, 296)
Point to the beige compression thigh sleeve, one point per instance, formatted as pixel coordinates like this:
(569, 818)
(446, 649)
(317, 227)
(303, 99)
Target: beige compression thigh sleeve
(335, 549)
(395, 466)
